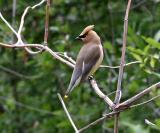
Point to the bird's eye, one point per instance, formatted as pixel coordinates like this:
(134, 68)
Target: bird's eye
(83, 36)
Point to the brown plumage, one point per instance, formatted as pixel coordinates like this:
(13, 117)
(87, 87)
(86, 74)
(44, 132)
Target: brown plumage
(89, 58)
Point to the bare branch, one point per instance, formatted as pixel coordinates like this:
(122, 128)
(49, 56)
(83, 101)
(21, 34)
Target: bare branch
(133, 99)
(47, 22)
(64, 54)
(118, 94)
(58, 57)
(33, 7)
(17, 73)
(109, 115)
(101, 66)
(69, 58)
(116, 122)
(149, 123)
(18, 34)
(28, 106)
(5, 21)
(118, 110)
(22, 21)
(33, 52)
(46, 48)
(67, 113)
(21, 26)
(120, 77)
(100, 93)
(136, 105)
(114, 67)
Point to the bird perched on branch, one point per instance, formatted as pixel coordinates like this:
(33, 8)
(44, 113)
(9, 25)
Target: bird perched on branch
(89, 58)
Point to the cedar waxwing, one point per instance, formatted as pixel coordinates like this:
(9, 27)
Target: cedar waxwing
(89, 58)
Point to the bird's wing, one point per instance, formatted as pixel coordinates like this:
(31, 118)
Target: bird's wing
(90, 59)
(87, 58)
(77, 74)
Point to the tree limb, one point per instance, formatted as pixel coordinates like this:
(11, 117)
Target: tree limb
(120, 77)
(118, 94)
(100, 93)
(135, 98)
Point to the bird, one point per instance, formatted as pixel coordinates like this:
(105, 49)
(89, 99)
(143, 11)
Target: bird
(89, 58)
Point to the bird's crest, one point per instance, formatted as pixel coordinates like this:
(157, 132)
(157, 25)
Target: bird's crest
(87, 29)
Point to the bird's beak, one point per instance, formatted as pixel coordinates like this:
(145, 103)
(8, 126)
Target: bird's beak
(78, 38)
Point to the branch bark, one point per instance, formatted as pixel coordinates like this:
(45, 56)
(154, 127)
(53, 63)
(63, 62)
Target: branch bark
(118, 93)
(121, 69)
(47, 22)
(100, 93)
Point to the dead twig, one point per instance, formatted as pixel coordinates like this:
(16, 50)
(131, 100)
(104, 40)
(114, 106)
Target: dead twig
(115, 67)
(148, 101)
(118, 94)
(121, 108)
(120, 77)
(67, 113)
(135, 98)
(47, 22)
(20, 75)
(100, 93)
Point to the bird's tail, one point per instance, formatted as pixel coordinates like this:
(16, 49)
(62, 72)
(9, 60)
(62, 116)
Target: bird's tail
(71, 86)
(68, 91)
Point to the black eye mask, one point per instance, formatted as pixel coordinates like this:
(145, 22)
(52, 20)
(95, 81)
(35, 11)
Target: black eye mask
(83, 36)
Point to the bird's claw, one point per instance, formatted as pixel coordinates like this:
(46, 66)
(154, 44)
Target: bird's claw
(90, 77)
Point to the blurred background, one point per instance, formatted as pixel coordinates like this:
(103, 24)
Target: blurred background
(29, 84)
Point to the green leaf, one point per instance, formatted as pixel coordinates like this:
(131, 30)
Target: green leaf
(152, 42)
(152, 72)
(152, 62)
(137, 51)
(137, 57)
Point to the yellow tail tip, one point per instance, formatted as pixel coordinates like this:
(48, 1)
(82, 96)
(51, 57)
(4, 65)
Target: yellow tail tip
(65, 96)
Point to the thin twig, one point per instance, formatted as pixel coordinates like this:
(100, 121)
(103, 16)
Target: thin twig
(109, 115)
(18, 34)
(118, 94)
(69, 58)
(40, 3)
(122, 64)
(5, 21)
(136, 105)
(47, 22)
(46, 48)
(115, 67)
(28, 106)
(67, 113)
(101, 66)
(116, 122)
(64, 54)
(21, 26)
(55, 54)
(100, 93)
(133, 99)
(17, 73)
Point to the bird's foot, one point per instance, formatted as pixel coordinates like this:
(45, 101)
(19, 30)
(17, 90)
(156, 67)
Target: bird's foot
(90, 77)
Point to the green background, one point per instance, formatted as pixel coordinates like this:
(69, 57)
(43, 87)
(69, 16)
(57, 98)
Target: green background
(29, 103)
